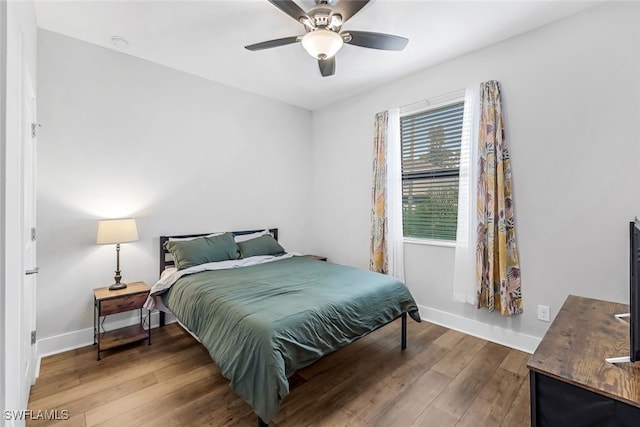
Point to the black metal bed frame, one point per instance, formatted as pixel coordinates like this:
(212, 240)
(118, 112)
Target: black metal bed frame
(167, 261)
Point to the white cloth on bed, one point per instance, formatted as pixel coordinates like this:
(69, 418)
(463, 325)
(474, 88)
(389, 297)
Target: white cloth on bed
(171, 275)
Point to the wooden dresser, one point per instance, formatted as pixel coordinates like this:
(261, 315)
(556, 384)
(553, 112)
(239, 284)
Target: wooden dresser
(571, 384)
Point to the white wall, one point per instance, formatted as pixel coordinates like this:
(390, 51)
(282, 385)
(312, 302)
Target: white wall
(571, 94)
(123, 137)
(18, 50)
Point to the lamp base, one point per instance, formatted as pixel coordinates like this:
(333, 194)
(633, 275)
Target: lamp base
(117, 286)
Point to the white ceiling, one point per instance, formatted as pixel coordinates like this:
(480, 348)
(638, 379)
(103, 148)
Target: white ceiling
(207, 38)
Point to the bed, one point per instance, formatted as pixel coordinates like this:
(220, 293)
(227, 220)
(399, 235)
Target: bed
(264, 317)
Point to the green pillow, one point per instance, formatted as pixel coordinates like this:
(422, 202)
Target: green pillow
(263, 245)
(187, 253)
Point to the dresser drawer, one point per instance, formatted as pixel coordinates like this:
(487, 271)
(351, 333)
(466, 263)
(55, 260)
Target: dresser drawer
(123, 303)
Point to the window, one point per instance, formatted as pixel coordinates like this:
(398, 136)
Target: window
(430, 168)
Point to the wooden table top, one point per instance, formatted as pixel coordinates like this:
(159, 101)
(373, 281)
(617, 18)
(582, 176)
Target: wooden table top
(132, 288)
(583, 334)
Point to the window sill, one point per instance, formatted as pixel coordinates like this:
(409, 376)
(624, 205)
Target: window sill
(430, 242)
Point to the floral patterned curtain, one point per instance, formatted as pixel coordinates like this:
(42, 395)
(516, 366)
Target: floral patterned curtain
(497, 267)
(378, 260)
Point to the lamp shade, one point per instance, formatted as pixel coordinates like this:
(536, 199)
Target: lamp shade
(322, 44)
(117, 231)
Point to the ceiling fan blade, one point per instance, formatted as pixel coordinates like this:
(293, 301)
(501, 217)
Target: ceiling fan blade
(375, 40)
(273, 43)
(290, 8)
(348, 8)
(327, 66)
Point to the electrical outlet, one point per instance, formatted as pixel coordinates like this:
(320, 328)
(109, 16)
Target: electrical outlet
(543, 313)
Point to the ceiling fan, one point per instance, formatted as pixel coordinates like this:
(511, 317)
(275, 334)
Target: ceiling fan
(323, 37)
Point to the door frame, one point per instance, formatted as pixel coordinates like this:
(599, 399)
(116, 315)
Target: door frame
(13, 391)
(12, 225)
(3, 145)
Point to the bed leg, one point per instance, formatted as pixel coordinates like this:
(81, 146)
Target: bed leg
(161, 318)
(404, 331)
(262, 423)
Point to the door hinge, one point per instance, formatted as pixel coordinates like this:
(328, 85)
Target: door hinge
(33, 234)
(33, 337)
(34, 129)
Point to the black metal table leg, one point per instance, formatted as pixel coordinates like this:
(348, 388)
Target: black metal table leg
(149, 325)
(404, 331)
(95, 311)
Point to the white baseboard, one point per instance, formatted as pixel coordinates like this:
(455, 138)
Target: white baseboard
(84, 337)
(497, 334)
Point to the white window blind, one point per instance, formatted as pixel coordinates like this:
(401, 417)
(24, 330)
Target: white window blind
(430, 168)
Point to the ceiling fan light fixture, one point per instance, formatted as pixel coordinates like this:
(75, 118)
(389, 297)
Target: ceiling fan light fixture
(322, 44)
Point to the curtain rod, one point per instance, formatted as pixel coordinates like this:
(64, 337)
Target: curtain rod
(433, 100)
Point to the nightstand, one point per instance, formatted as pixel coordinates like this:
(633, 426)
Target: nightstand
(318, 257)
(106, 302)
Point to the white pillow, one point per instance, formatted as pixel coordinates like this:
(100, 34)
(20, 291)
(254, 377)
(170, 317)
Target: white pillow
(245, 237)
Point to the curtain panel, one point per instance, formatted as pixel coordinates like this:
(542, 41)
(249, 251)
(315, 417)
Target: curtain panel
(395, 230)
(387, 237)
(378, 259)
(464, 274)
(497, 265)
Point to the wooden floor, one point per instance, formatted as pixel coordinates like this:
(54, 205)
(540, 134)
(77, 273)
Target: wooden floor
(444, 378)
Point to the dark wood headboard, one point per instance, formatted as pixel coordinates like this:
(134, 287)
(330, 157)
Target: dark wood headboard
(166, 260)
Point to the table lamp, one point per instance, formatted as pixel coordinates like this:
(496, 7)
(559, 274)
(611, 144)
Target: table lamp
(117, 231)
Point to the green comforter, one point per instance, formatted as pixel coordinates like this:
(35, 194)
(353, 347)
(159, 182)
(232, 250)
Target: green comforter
(264, 322)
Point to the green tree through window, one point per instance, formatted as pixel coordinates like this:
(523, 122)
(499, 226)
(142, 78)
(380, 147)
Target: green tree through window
(430, 168)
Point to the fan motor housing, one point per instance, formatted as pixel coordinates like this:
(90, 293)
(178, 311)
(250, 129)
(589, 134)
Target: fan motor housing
(320, 15)
(323, 16)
